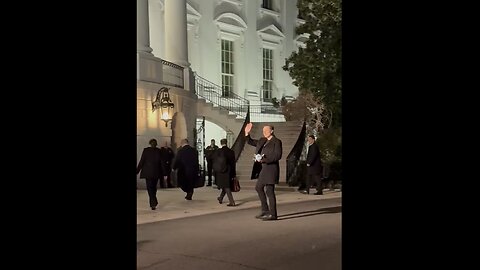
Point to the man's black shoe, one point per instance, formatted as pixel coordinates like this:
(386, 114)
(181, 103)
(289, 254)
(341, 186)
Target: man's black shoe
(261, 215)
(269, 217)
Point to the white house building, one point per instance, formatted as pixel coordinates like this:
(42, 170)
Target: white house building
(207, 53)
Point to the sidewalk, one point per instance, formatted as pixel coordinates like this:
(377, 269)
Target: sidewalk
(172, 203)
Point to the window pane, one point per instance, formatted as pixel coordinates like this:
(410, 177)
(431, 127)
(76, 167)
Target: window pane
(227, 67)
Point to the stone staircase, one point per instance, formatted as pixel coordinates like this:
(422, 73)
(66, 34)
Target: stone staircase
(226, 119)
(288, 133)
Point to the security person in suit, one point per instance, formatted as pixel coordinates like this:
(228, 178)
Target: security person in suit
(314, 167)
(224, 180)
(266, 169)
(150, 168)
(167, 158)
(186, 162)
(208, 156)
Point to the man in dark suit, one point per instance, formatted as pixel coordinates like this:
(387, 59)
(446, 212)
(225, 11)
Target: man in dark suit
(167, 157)
(224, 180)
(151, 169)
(266, 168)
(314, 167)
(208, 156)
(186, 163)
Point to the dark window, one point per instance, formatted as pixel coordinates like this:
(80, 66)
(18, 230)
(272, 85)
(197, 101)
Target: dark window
(267, 4)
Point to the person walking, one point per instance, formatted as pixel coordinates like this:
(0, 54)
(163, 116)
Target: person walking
(167, 156)
(186, 164)
(224, 171)
(150, 169)
(314, 167)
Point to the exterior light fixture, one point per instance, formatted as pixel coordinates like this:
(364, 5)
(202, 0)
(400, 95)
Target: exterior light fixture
(165, 104)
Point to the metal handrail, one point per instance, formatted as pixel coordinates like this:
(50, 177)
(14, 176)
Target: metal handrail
(213, 93)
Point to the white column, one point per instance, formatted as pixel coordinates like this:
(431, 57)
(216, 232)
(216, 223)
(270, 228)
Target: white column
(253, 62)
(143, 40)
(176, 46)
(156, 26)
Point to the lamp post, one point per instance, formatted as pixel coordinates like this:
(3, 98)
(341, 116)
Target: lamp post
(165, 104)
(200, 144)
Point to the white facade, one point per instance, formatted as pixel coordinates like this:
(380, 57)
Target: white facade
(250, 27)
(190, 34)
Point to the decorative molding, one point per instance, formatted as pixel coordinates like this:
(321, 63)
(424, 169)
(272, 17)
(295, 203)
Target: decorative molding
(271, 35)
(230, 30)
(303, 37)
(229, 18)
(300, 40)
(193, 12)
(193, 16)
(300, 44)
(235, 2)
(264, 11)
(242, 40)
(195, 28)
(299, 22)
(271, 30)
(230, 26)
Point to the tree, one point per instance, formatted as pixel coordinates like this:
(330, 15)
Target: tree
(317, 66)
(309, 108)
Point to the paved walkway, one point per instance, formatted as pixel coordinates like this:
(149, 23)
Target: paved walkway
(172, 203)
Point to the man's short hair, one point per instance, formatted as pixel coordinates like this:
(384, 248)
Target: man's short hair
(223, 141)
(152, 141)
(311, 136)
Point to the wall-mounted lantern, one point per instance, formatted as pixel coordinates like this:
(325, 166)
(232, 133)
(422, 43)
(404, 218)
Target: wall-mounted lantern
(165, 104)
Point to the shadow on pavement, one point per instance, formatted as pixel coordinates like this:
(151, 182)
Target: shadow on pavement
(140, 243)
(327, 210)
(245, 200)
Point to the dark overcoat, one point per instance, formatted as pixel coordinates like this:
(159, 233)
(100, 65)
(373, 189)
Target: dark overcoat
(314, 161)
(268, 170)
(186, 164)
(224, 180)
(167, 156)
(150, 164)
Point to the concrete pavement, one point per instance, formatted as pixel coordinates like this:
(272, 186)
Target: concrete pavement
(172, 203)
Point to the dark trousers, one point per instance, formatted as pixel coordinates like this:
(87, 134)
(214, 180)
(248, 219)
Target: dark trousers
(168, 183)
(189, 193)
(209, 171)
(152, 191)
(317, 178)
(229, 195)
(264, 191)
